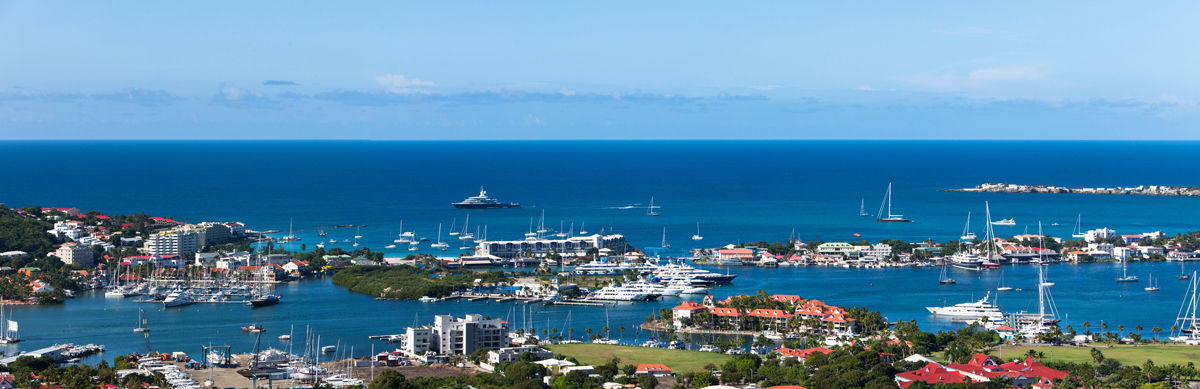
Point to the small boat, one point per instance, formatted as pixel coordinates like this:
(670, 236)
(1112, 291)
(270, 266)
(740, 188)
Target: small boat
(1153, 285)
(328, 349)
(333, 241)
(427, 299)
(1182, 276)
(1054, 224)
(413, 246)
(887, 202)
(285, 337)
(650, 209)
(665, 245)
(967, 235)
(390, 246)
(321, 245)
(253, 328)
(1002, 287)
(862, 208)
(697, 236)
(945, 279)
(141, 323)
(265, 300)
(772, 335)
(1078, 232)
(1125, 273)
(1004, 222)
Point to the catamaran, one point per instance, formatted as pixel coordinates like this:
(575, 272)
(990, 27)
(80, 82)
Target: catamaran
(1186, 322)
(887, 202)
(440, 245)
(9, 333)
(967, 235)
(697, 236)
(141, 323)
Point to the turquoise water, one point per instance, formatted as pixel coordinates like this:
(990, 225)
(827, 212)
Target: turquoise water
(737, 191)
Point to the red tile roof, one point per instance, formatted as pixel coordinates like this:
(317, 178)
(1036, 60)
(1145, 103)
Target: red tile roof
(773, 313)
(1031, 366)
(725, 311)
(932, 373)
(690, 305)
(655, 367)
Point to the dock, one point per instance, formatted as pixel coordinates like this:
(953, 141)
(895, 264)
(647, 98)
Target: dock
(577, 303)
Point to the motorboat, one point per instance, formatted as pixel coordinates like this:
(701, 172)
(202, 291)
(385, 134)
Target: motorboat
(427, 299)
(265, 300)
(621, 293)
(1004, 222)
(177, 298)
(483, 202)
(975, 309)
(253, 328)
(965, 261)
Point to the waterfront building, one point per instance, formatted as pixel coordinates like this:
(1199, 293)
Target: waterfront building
(685, 310)
(39, 286)
(214, 233)
(573, 246)
(513, 354)
(75, 253)
(13, 254)
(834, 251)
(1104, 233)
(450, 336)
(652, 369)
(236, 229)
(1105, 247)
(879, 250)
(745, 255)
(174, 242)
(1123, 253)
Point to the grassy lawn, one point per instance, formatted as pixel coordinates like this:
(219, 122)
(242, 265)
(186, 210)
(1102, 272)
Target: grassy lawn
(1126, 354)
(679, 361)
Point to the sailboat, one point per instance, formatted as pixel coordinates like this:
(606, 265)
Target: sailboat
(1182, 275)
(357, 236)
(1153, 285)
(141, 323)
(582, 230)
(1125, 273)
(321, 232)
(650, 209)
(466, 233)
(9, 334)
(440, 245)
(1186, 322)
(887, 202)
(945, 278)
(1002, 287)
(1042, 260)
(862, 208)
(697, 236)
(1078, 232)
(453, 224)
(665, 245)
(967, 235)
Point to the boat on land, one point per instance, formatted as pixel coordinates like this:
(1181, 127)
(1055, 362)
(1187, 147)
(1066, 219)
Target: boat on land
(1005, 222)
(974, 309)
(887, 202)
(483, 202)
(650, 209)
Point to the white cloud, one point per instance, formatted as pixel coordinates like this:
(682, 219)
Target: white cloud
(232, 93)
(1012, 81)
(566, 92)
(766, 87)
(399, 84)
(864, 87)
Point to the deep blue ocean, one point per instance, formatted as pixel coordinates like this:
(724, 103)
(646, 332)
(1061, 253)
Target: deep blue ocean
(737, 191)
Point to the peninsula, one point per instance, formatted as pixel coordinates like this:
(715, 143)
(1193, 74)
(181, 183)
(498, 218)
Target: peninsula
(1144, 190)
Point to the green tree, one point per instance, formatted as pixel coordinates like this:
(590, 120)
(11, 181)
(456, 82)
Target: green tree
(389, 379)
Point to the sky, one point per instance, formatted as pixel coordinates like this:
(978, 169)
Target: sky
(393, 70)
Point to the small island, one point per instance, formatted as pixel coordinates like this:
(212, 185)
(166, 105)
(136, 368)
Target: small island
(1143, 190)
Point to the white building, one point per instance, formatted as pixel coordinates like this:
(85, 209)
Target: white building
(1104, 233)
(13, 254)
(576, 246)
(63, 229)
(513, 354)
(175, 242)
(1105, 247)
(1123, 253)
(879, 250)
(463, 336)
(75, 253)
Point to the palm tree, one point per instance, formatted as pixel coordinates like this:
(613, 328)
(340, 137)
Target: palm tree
(606, 334)
(1156, 330)
(589, 332)
(1104, 326)
(1121, 330)
(571, 332)
(1086, 325)
(621, 330)
(1139, 330)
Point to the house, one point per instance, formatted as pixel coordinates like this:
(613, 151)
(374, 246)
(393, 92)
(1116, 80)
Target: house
(932, 373)
(555, 366)
(775, 316)
(295, 267)
(39, 286)
(801, 355)
(739, 254)
(29, 271)
(685, 310)
(513, 354)
(652, 369)
(1033, 367)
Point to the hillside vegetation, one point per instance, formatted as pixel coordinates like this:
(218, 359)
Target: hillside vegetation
(408, 282)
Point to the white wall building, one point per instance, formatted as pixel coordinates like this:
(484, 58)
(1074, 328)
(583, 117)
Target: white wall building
(463, 336)
(175, 242)
(75, 253)
(1123, 253)
(1105, 233)
(578, 245)
(513, 354)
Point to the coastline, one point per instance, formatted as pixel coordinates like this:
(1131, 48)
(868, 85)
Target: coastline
(1140, 190)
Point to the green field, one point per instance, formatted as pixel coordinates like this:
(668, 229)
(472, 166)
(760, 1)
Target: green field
(679, 361)
(1128, 355)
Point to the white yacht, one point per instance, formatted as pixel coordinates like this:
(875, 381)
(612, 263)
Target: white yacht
(966, 261)
(609, 268)
(177, 298)
(1004, 222)
(977, 309)
(621, 293)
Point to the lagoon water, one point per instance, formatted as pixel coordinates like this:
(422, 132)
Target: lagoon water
(736, 190)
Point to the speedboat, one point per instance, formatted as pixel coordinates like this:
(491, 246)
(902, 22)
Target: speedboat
(177, 299)
(427, 299)
(1005, 222)
(253, 328)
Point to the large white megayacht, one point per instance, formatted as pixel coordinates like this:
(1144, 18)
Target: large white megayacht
(975, 309)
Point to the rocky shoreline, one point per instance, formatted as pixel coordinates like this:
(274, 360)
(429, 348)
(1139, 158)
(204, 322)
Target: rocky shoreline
(1141, 190)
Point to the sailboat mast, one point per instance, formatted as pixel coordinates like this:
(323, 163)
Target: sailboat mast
(889, 199)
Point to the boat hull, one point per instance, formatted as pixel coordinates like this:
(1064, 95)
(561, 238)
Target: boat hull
(485, 206)
(894, 220)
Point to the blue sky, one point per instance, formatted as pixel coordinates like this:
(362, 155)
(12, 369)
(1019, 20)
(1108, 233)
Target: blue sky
(600, 70)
